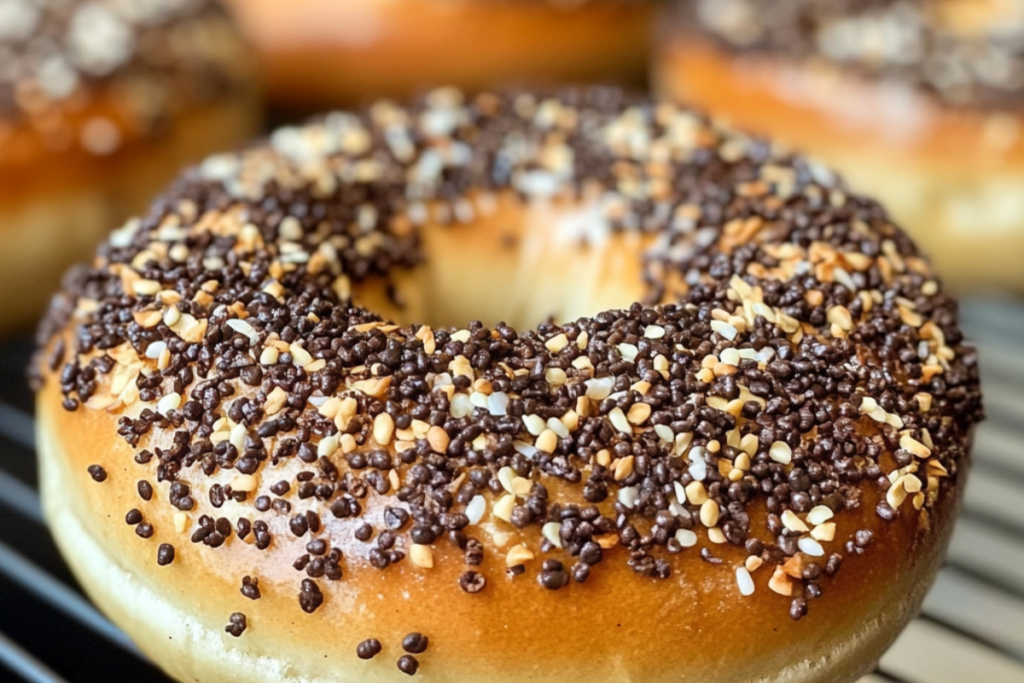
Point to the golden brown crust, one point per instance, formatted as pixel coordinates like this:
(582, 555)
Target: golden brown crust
(395, 48)
(948, 174)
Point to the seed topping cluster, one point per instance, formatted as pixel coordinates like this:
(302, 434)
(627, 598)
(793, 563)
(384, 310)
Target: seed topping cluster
(796, 357)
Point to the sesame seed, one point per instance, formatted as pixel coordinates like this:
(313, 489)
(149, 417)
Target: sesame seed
(819, 515)
(686, 538)
(744, 581)
(475, 509)
(421, 556)
(623, 468)
(909, 443)
(383, 428)
(780, 583)
(557, 343)
(535, 424)
(696, 494)
(547, 441)
(794, 523)
(638, 413)
(654, 332)
(709, 513)
(503, 508)
(517, 555)
(781, 452)
(168, 403)
(550, 532)
(810, 547)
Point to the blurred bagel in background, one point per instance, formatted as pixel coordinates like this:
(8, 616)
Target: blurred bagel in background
(100, 104)
(323, 53)
(918, 103)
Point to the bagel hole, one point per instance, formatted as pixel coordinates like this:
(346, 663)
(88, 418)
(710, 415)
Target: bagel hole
(515, 262)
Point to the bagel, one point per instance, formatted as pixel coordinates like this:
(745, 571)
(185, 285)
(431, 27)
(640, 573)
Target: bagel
(322, 53)
(102, 103)
(918, 104)
(715, 428)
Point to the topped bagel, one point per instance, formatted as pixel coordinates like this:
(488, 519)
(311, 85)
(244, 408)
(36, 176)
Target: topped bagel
(732, 454)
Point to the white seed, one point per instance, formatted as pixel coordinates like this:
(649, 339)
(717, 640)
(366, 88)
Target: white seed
(654, 332)
(810, 547)
(696, 493)
(461, 406)
(503, 508)
(518, 555)
(521, 487)
(909, 443)
(383, 428)
(475, 510)
(237, 437)
(244, 328)
(600, 389)
(780, 583)
(168, 403)
(724, 329)
(824, 532)
(556, 343)
(686, 538)
(744, 581)
(698, 465)
(171, 316)
(623, 468)
(478, 399)
(730, 356)
(300, 356)
(794, 523)
(421, 556)
(505, 476)
(664, 433)
(550, 532)
(497, 403)
(680, 492)
(709, 513)
(547, 441)
(628, 496)
(629, 351)
(556, 377)
(534, 424)
(781, 452)
(438, 439)
(819, 515)
(146, 287)
(180, 522)
(619, 421)
(269, 356)
(155, 350)
(526, 449)
(555, 425)
(840, 315)
(638, 413)
(328, 445)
